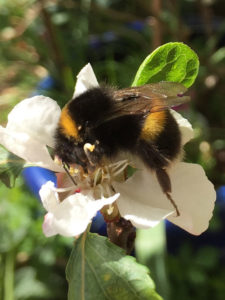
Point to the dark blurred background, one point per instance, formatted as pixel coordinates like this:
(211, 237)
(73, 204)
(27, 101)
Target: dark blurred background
(43, 45)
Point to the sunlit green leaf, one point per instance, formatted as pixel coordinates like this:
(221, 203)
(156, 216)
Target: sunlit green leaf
(10, 167)
(98, 269)
(174, 62)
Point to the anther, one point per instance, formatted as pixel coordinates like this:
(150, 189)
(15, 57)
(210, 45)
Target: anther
(88, 148)
(67, 169)
(58, 161)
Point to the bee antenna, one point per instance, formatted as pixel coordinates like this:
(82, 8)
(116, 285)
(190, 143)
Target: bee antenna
(66, 168)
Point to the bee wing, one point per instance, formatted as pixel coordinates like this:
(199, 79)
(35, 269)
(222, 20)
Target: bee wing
(149, 98)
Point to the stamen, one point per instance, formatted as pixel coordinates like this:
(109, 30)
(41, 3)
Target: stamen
(106, 174)
(110, 209)
(58, 161)
(122, 168)
(88, 148)
(109, 193)
(66, 168)
(73, 171)
(62, 190)
(101, 190)
(101, 179)
(96, 176)
(117, 164)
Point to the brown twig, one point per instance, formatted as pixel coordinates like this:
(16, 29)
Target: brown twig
(155, 22)
(51, 39)
(206, 15)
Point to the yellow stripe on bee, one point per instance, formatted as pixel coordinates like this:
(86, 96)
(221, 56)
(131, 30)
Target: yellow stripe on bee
(153, 126)
(67, 124)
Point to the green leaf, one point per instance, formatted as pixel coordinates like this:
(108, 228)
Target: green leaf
(10, 167)
(130, 171)
(174, 62)
(97, 269)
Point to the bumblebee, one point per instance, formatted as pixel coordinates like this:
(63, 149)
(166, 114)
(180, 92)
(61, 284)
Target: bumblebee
(102, 122)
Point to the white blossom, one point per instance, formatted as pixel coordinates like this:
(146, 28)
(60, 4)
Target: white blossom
(71, 216)
(31, 127)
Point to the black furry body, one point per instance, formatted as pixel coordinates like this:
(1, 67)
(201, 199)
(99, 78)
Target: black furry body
(89, 112)
(117, 124)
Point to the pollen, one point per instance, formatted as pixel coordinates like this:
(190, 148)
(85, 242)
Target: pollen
(89, 147)
(110, 209)
(58, 161)
(73, 171)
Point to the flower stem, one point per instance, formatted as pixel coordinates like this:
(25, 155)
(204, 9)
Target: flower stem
(122, 233)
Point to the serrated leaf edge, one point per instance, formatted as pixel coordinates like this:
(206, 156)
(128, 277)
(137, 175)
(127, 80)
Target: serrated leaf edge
(116, 249)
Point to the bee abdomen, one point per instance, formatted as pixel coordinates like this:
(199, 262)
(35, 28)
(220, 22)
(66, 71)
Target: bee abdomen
(67, 124)
(169, 140)
(153, 125)
(162, 144)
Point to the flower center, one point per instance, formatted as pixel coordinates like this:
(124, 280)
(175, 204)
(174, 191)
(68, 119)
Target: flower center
(97, 183)
(100, 180)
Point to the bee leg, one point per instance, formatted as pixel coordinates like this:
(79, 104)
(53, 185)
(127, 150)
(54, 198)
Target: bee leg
(155, 159)
(165, 183)
(67, 169)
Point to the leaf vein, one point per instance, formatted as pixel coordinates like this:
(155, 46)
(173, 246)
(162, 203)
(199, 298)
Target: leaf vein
(96, 276)
(126, 282)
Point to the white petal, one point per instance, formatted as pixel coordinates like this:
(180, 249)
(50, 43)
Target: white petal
(143, 202)
(154, 216)
(71, 216)
(195, 196)
(86, 79)
(37, 116)
(186, 129)
(28, 148)
(47, 225)
(49, 196)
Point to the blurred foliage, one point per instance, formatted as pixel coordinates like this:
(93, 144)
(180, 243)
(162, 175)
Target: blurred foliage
(203, 278)
(10, 167)
(56, 38)
(35, 265)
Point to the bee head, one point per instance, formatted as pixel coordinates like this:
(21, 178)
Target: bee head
(69, 150)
